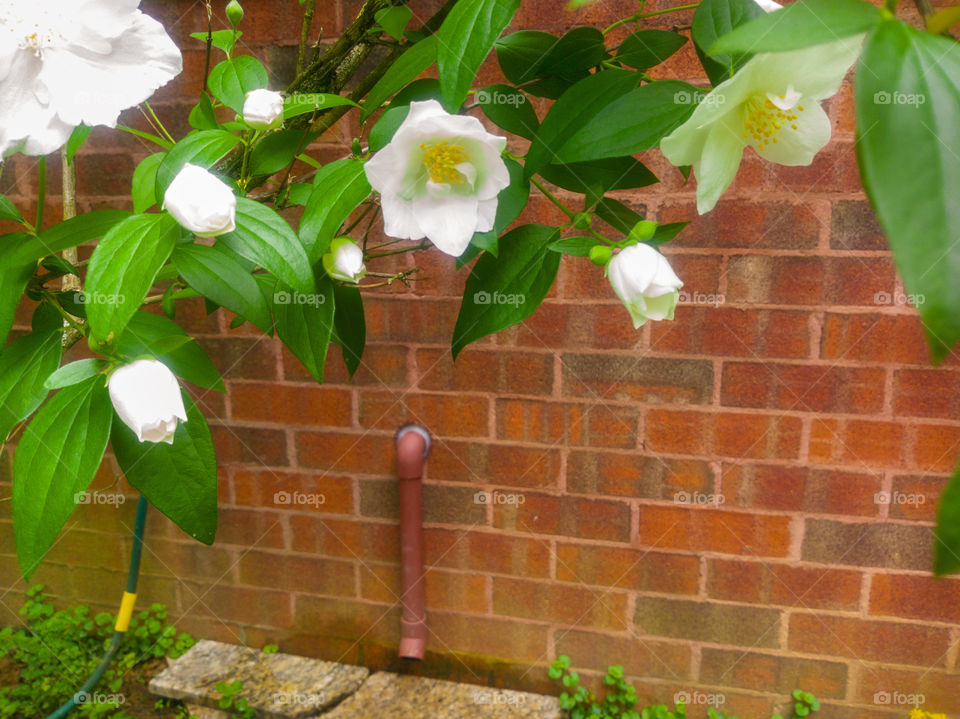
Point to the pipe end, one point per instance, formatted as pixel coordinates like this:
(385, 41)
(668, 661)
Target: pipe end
(417, 429)
(413, 638)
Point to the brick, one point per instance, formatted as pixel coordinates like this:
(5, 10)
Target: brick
(511, 466)
(397, 319)
(478, 370)
(569, 516)
(677, 432)
(290, 404)
(646, 657)
(916, 497)
(926, 393)
(893, 546)
(783, 280)
(632, 475)
(882, 686)
(366, 540)
(249, 527)
(936, 447)
(382, 365)
(350, 453)
(708, 622)
(801, 489)
(649, 379)
(854, 226)
(714, 530)
(293, 491)
(455, 591)
(487, 552)
(916, 597)
(784, 585)
(779, 225)
(291, 573)
(757, 436)
(441, 503)
(891, 642)
(450, 632)
(724, 667)
(633, 569)
(874, 338)
(193, 560)
(858, 443)
(805, 388)
(564, 603)
(250, 445)
(734, 332)
(446, 415)
(340, 618)
(242, 357)
(599, 425)
(258, 607)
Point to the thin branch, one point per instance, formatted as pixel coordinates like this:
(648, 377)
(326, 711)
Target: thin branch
(304, 34)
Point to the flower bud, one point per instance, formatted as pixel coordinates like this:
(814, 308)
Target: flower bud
(344, 261)
(582, 220)
(201, 202)
(263, 109)
(146, 396)
(643, 230)
(600, 255)
(645, 283)
(234, 12)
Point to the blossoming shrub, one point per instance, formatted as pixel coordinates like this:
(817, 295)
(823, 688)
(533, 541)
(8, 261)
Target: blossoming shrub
(449, 165)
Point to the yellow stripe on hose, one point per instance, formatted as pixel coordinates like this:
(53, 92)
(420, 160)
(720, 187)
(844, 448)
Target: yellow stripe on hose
(126, 611)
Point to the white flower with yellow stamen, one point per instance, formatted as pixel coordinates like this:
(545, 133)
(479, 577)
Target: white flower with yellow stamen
(439, 178)
(63, 64)
(772, 104)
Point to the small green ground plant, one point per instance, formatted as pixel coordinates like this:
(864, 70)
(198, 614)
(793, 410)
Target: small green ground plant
(54, 651)
(620, 699)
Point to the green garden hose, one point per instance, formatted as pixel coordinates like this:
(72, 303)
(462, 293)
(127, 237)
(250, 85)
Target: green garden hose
(123, 617)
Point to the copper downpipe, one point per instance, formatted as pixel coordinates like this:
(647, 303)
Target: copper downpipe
(413, 444)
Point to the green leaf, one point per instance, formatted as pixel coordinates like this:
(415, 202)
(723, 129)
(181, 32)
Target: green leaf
(220, 39)
(145, 331)
(510, 109)
(503, 291)
(616, 214)
(204, 148)
(305, 323)
(576, 52)
(666, 232)
(406, 69)
(510, 203)
(231, 80)
(520, 54)
(635, 122)
(908, 119)
(349, 324)
(576, 246)
(74, 372)
(264, 237)
(337, 191)
(465, 39)
(646, 48)
(56, 458)
(215, 274)
(9, 211)
(69, 233)
(24, 366)
(179, 479)
(122, 270)
(712, 20)
(145, 182)
(600, 176)
(202, 116)
(302, 103)
(576, 107)
(275, 151)
(77, 138)
(394, 20)
(798, 25)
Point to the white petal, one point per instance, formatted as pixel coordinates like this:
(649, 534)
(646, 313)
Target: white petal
(718, 164)
(448, 224)
(146, 396)
(788, 100)
(816, 72)
(768, 5)
(399, 219)
(798, 147)
(662, 306)
(385, 170)
(486, 215)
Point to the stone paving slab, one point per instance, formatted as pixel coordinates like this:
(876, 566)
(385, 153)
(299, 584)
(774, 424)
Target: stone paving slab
(283, 686)
(277, 686)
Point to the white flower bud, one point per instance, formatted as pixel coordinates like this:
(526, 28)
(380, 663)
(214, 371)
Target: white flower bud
(344, 261)
(263, 109)
(146, 396)
(201, 202)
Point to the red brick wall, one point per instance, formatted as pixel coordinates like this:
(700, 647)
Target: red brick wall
(797, 398)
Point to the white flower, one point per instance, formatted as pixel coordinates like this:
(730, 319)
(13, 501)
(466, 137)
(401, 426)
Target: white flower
(344, 260)
(772, 104)
(645, 283)
(79, 61)
(768, 5)
(263, 109)
(439, 178)
(147, 398)
(201, 202)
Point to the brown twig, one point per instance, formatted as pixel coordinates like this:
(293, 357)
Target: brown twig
(304, 34)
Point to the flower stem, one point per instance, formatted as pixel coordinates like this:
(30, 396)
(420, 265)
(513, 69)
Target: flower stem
(304, 35)
(422, 245)
(643, 15)
(553, 198)
(41, 190)
(157, 121)
(69, 179)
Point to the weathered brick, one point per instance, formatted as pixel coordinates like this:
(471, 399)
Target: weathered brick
(734, 332)
(446, 415)
(784, 585)
(894, 546)
(738, 625)
(779, 225)
(757, 436)
(488, 552)
(566, 603)
(291, 573)
(714, 530)
(351, 453)
(854, 226)
(649, 379)
(874, 338)
(927, 393)
(633, 569)
(566, 515)
(308, 405)
(753, 670)
(801, 489)
(481, 370)
(646, 657)
(915, 597)
(598, 425)
(633, 475)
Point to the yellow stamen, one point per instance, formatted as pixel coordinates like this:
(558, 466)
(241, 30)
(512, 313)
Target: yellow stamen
(441, 160)
(764, 120)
